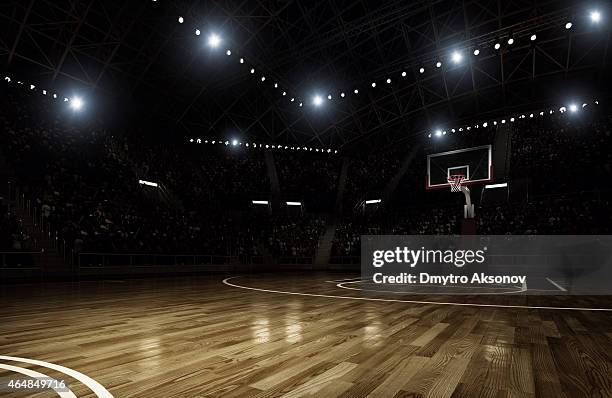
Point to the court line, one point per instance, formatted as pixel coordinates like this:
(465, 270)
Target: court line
(37, 375)
(556, 285)
(342, 280)
(341, 286)
(226, 282)
(93, 385)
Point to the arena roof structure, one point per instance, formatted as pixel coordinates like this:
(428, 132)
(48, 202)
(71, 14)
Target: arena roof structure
(341, 74)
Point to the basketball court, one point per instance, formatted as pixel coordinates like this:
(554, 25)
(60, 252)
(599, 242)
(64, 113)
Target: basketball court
(302, 334)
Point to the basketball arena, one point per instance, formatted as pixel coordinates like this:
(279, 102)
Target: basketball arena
(331, 198)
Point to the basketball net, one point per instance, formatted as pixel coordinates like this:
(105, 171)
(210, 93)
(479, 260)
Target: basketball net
(455, 181)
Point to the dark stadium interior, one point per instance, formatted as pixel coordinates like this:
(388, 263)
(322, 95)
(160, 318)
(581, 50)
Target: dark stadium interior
(178, 217)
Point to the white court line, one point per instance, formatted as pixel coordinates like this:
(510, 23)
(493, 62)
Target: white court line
(93, 385)
(226, 282)
(557, 285)
(342, 280)
(36, 375)
(341, 286)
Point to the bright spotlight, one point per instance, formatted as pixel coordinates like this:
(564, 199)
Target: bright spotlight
(373, 84)
(422, 70)
(497, 46)
(595, 16)
(456, 57)
(342, 95)
(438, 64)
(180, 19)
(403, 74)
(329, 96)
(573, 108)
(511, 41)
(356, 91)
(214, 40)
(568, 25)
(228, 52)
(533, 37)
(476, 52)
(318, 100)
(438, 133)
(234, 142)
(388, 81)
(197, 32)
(76, 103)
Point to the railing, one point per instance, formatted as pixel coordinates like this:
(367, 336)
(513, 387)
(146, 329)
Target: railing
(21, 260)
(147, 260)
(295, 260)
(345, 260)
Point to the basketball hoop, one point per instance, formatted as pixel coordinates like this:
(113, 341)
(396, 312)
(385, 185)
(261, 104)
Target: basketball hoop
(455, 181)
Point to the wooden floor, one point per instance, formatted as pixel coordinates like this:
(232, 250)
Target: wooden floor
(196, 337)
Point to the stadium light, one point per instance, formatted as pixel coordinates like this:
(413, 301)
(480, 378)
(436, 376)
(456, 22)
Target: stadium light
(197, 32)
(491, 186)
(511, 41)
(438, 133)
(76, 103)
(148, 183)
(456, 57)
(497, 46)
(318, 100)
(595, 16)
(422, 70)
(260, 202)
(573, 108)
(180, 20)
(476, 52)
(388, 81)
(373, 201)
(568, 25)
(294, 203)
(438, 64)
(533, 37)
(214, 40)
(234, 142)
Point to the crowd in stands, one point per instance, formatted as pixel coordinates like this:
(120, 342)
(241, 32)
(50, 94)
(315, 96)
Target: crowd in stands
(310, 179)
(12, 236)
(84, 181)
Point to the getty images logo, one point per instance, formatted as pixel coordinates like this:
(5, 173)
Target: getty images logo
(411, 257)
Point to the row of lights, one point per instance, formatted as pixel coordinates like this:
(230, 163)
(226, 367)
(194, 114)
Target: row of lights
(236, 143)
(456, 57)
(76, 103)
(572, 108)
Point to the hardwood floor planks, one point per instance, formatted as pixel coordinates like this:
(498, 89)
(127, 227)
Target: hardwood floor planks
(195, 337)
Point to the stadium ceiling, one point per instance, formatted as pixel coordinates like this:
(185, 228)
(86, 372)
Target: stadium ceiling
(135, 52)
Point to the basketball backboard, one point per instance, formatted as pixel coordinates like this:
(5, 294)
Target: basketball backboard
(474, 163)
